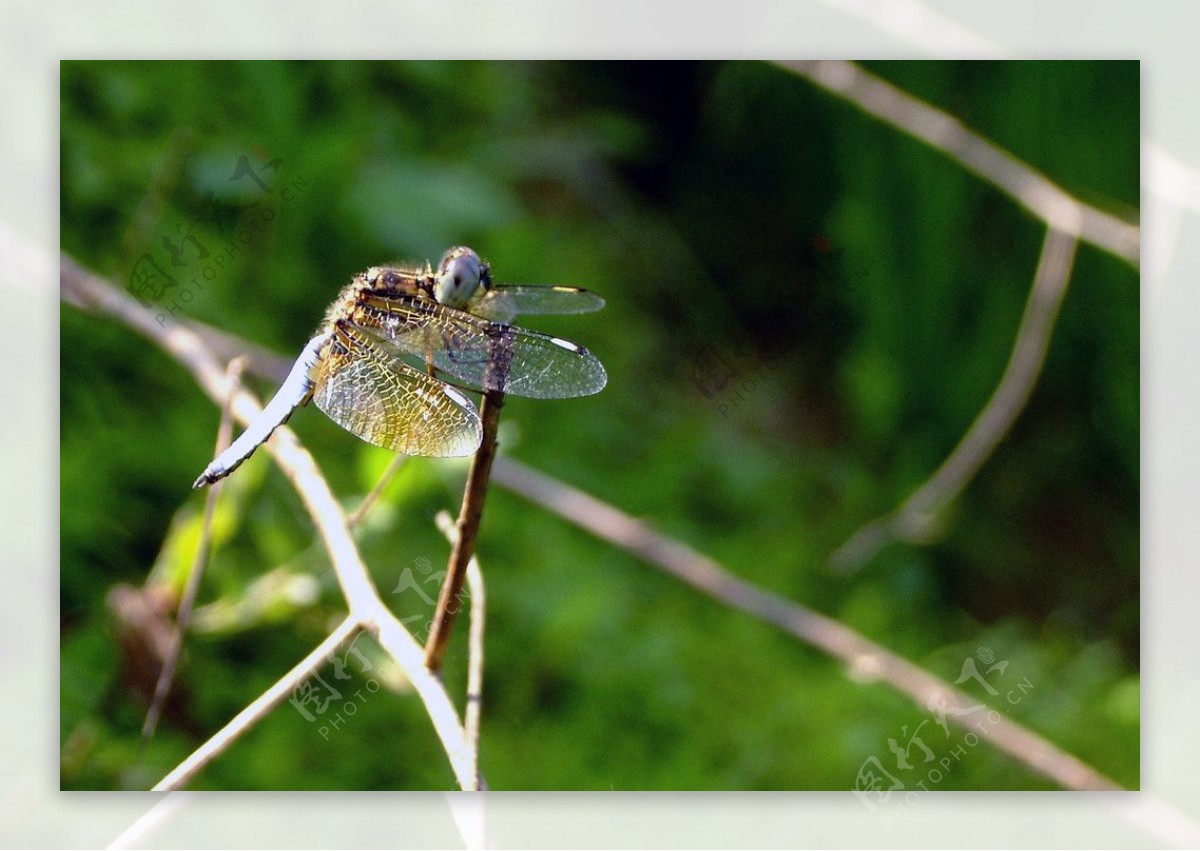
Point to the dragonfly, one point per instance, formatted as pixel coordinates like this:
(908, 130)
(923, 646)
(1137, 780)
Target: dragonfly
(398, 346)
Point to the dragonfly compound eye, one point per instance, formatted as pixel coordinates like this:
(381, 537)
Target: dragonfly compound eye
(459, 274)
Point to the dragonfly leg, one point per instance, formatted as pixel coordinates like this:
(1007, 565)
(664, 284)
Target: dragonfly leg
(429, 357)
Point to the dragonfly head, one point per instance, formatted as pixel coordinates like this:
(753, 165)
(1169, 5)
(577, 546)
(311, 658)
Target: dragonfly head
(459, 275)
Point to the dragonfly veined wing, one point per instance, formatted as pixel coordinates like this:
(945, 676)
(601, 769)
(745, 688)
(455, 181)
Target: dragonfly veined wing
(369, 392)
(502, 303)
(487, 355)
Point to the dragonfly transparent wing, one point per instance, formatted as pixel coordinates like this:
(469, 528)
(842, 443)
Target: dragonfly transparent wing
(367, 391)
(487, 355)
(501, 304)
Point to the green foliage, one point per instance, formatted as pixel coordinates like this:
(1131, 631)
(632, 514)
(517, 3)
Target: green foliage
(861, 289)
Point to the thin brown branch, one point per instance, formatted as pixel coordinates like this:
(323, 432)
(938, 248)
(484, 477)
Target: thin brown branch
(449, 604)
(864, 656)
(192, 588)
(1028, 187)
(366, 607)
(913, 520)
(257, 710)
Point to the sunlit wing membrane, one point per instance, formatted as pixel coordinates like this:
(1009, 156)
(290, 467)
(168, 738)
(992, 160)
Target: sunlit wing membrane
(501, 304)
(485, 355)
(368, 392)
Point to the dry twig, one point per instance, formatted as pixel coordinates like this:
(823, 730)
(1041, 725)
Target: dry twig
(188, 599)
(367, 610)
(1068, 220)
(257, 710)
(913, 520)
(1027, 186)
(373, 496)
(865, 657)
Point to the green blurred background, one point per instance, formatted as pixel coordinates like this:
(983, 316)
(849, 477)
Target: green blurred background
(862, 290)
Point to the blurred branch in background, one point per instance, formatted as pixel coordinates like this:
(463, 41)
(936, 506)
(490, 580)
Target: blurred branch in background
(1068, 220)
(284, 687)
(187, 599)
(915, 518)
(866, 659)
(1027, 186)
(367, 610)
